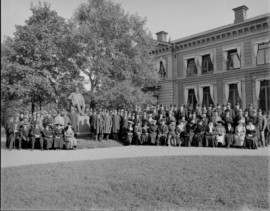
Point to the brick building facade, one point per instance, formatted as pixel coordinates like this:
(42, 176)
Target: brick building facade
(226, 64)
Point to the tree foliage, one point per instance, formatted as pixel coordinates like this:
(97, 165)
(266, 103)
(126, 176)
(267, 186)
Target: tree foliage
(112, 48)
(35, 64)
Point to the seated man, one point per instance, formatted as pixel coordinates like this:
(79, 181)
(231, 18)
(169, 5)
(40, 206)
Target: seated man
(137, 133)
(162, 133)
(210, 132)
(229, 137)
(145, 135)
(190, 127)
(48, 137)
(199, 134)
(24, 136)
(180, 132)
(36, 135)
(153, 132)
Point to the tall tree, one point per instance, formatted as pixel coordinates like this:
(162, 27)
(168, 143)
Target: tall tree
(112, 48)
(36, 63)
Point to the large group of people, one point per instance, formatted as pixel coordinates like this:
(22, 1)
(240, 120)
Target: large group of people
(184, 126)
(212, 126)
(43, 130)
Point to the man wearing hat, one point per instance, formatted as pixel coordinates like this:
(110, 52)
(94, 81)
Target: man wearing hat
(215, 118)
(98, 126)
(107, 124)
(261, 126)
(198, 110)
(181, 112)
(36, 135)
(73, 116)
(209, 112)
(24, 135)
(231, 111)
(228, 119)
(250, 110)
(162, 110)
(220, 111)
(204, 119)
(12, 130)
(237, 108)
(170, 118)
(162, 133)
(137, 133)
(116, 120)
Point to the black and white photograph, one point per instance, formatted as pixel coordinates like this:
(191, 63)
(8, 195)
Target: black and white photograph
(135, 105)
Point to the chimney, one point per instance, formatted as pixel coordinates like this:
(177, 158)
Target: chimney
(162, 36)
(240, 14)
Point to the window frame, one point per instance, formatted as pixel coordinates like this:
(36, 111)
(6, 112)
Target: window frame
(264, 53)
(208, 71)
(227, 61)
(188, 60)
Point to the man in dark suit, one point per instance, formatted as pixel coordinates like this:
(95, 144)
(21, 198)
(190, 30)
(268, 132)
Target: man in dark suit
(162, 132)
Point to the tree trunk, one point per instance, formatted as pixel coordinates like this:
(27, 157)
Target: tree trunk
(40, 106)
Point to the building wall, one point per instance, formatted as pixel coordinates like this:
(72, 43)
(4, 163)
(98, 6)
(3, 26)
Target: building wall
(172, 89)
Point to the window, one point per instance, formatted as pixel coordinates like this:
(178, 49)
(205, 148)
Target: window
(207, 65)
(162, 70)
(191, 67)
(233, 60)
(264, 99)
(207, 99)
(263, 56)
(192, 98)
(234, 95)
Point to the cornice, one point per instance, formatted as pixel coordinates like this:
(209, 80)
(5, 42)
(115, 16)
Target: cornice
(233, 31)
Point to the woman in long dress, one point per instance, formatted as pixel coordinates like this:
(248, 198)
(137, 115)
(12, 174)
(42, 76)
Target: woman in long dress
(251, 136)
(240, 133)
(71, 142)
(220, 133)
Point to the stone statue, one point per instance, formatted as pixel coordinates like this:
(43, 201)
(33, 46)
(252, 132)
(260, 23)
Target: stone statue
(77, 101)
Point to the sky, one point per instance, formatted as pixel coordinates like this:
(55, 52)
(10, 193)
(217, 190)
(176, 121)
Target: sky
(179, 18)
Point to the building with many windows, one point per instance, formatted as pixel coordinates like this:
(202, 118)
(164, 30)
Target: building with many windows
(226, 64)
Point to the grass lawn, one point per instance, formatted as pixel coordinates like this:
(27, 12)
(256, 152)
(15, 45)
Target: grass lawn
(162, 183)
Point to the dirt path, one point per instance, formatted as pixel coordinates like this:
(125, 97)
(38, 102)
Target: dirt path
(26, 157)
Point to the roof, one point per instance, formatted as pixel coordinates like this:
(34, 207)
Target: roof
(221, 28)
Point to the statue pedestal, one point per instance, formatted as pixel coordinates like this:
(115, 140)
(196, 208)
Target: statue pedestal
(83, 125)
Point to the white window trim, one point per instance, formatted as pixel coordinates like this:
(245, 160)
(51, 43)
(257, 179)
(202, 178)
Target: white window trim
(258, 86)
(240, 50)
(240, 86)
(200, 91)
(186, 88)
(256, 47)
